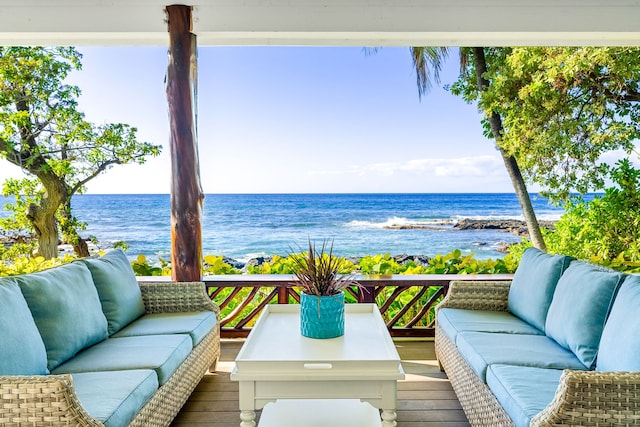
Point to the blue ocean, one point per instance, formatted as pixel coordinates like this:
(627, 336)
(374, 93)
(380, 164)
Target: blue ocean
(244, 226)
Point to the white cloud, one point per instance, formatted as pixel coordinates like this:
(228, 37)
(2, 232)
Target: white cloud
(441, 167)
(470, 167)
(611, 157)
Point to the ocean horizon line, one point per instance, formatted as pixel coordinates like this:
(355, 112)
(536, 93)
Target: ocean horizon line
(240, 225)
(307, 193)
(536, 194)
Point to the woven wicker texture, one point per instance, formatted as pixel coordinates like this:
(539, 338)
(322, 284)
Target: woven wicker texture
(168, 400)
(51, 401)
(479, 404)
(43, 400)
(583, 398)
(176, 297)
(477, 295)
(589, 398)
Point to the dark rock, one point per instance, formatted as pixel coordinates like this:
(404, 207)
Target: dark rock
(503, 247)
(233, 262)
(10, 238)
(418, 259)
(402, 258)
(514, 226)
(258, 261)
(435, 226)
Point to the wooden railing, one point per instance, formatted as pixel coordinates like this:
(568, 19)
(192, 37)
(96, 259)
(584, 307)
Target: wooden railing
(406, 302)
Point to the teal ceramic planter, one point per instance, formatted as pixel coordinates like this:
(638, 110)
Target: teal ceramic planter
(322, 317)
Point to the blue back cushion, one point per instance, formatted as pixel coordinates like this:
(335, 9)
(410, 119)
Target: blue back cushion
(580, 308)
(620, 343)
(118, 289)
(22, 351)
(66, 308)
(533, 285)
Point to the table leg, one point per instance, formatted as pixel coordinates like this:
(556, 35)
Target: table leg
(389, 418)
(248, 418)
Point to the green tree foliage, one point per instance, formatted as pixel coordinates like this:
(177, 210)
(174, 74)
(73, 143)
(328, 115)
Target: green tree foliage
(43, 132)
(25, 191)
(563, 108)
(475, 80)
(605, 230)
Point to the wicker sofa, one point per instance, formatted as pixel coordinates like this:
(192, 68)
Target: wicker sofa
(559, 345)
(84, 344)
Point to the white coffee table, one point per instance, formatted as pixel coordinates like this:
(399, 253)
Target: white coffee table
(277, 362)
(319, 413)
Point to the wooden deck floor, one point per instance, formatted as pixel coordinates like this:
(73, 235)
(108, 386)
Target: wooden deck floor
(425, 397)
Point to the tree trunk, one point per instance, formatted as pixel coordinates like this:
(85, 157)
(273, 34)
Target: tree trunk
(43, 216)
(43, 219)
(80, 247)
(44, 223)
(495, 121)
(69, 231)
(186, 191)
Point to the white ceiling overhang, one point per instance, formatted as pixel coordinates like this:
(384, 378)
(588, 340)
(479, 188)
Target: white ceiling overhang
(326, 22)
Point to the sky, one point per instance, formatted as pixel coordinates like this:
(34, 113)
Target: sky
(293, 120)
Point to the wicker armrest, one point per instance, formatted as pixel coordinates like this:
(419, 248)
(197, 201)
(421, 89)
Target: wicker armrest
(589, 398)
(176, 297)
(41, 400)
(477, 295)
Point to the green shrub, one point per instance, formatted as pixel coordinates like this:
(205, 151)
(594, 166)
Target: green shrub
(605, 230)
(25, 264)
(455, 263)
(382, 264)
(216, 265)
(141, 267)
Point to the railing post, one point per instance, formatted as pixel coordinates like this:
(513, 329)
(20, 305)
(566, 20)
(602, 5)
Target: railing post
(283, 295)
(367, 295)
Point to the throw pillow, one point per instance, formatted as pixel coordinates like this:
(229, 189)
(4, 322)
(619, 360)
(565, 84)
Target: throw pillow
(66, 308)
(580, 307)
(620, 342)
(22, 351)
(534, 283)
(118, 289)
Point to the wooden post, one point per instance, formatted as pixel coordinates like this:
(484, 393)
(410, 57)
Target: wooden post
(186, 191)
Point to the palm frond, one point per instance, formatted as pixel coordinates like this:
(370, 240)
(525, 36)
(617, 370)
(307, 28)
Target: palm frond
(428, 61)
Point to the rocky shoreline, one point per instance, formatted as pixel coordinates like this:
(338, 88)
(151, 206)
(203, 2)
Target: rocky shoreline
(507, 225)
(514, 226)
(422, 260)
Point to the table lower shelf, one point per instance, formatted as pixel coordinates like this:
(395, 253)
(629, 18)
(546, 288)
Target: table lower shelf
(319, 413)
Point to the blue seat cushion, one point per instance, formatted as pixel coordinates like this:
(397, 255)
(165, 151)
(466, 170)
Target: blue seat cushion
(454, 320)
(196, 324)
(533, 285)
(481, 349)
(117, 287)
(66, 308)
(115, 397)
(22, 350)
(580, 307)
(523, 391)
(162, 353)
(620, 343)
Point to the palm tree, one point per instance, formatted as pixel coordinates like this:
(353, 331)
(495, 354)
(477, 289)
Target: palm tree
(428, 63)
